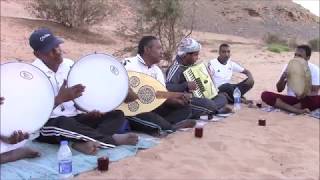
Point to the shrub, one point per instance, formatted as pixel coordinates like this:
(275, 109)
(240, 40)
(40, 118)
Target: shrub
(273, 38)
(278, 48)
(315, 44)
(71, 13)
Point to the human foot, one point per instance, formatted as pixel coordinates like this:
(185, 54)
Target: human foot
(125, 139)
(224, 110)
(246, 101)
(89, 147)
(18, 154)
(303, 111)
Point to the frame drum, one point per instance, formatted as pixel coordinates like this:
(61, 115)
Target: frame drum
(29, 98)
(299, 77)
(105, 79)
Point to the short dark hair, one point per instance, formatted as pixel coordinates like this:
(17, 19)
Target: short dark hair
(306, 48)
(145, 41)
(223, 45)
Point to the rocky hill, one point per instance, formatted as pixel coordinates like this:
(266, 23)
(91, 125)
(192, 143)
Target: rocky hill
(249, 18)
(255, 18)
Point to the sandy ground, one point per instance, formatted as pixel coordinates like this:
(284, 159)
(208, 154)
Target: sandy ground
(236, 148)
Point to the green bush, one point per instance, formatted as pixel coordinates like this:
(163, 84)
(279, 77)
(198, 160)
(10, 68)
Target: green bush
(278, 48)
(71, 13)
(315, 44)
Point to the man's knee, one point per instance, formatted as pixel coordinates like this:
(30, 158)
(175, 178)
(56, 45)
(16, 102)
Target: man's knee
(250, 84)
(221, 100)
(268, 97)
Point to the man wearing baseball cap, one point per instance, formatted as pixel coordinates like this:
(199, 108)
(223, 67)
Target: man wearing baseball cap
(65, 120)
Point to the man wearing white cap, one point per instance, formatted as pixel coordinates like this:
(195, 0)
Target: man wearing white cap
(187, 55)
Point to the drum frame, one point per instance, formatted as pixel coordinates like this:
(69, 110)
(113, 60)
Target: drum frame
(95, 53)
(18, 61)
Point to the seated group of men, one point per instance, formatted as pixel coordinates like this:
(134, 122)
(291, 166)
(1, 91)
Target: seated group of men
(113, 128)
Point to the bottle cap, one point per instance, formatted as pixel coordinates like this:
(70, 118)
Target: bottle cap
(64, 142)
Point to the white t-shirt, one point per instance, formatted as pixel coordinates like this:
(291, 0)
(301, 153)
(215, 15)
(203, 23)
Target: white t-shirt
(221, 73)
(137, 64)
(67, 108)
(315, 77)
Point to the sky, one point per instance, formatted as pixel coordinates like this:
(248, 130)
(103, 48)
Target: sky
(311, 5)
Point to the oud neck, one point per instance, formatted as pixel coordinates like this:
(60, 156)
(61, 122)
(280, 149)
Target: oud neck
(166, 94)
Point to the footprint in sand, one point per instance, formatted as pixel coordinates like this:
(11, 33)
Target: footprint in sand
(218, 146)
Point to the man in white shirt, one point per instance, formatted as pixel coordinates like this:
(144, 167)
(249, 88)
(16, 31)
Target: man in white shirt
(11, 148)
(88, 131)
(290, 102)
(221, 70)
(173, 113)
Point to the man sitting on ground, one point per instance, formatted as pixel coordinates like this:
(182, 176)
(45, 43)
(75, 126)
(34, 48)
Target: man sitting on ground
(175, 111)
(65, 120)
(188, 54)
(221, 70)
(290, 102)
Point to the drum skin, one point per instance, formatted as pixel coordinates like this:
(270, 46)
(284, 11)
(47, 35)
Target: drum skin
(29, 98)
(105, 80)
(145, 87)
(299, 77)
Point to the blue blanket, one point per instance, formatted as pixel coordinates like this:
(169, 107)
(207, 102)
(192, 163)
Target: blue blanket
(46, 166)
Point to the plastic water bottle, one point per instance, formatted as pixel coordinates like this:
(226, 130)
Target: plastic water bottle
(237, 99)
(65, 161)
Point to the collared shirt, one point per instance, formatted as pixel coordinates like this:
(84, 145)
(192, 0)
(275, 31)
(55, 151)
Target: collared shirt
(315, 77)
(222, 73)
(137, 64)
(67, 108)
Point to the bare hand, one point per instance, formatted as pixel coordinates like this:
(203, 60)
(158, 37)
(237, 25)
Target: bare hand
(284, 76)
(132, 96)
(94, 115)
(67, 94)
(304, 111)
(192, 86)
(16, 137)
(180, 100)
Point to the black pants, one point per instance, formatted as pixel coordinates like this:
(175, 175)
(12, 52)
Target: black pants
(202, 106)
(228, 88)
(162, 118)
(81, 128)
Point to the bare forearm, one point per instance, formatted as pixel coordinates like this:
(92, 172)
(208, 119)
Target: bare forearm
(281, 85)
(248, 74)
(57, 101)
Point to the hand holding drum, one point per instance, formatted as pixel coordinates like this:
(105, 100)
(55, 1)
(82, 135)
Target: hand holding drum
(98, 82)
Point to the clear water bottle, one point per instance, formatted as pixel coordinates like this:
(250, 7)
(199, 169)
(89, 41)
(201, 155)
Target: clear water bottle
(65, 161)
(237, 99)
